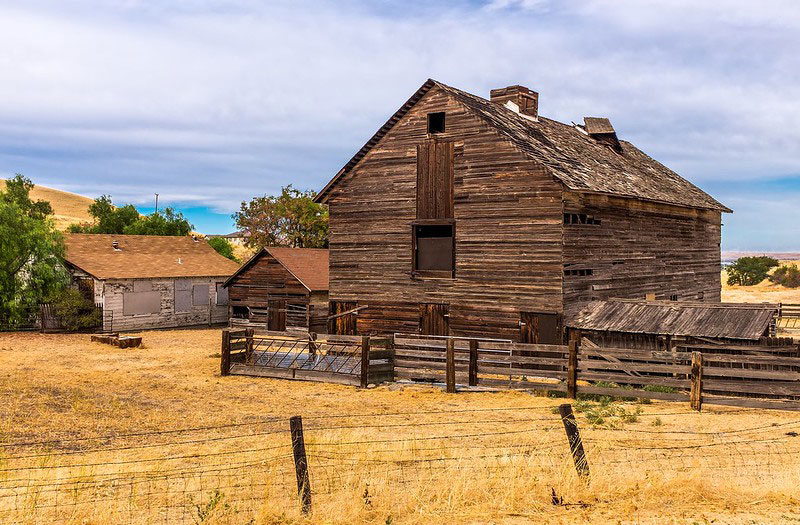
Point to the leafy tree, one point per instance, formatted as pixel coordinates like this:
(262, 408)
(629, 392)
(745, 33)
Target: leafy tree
(289, 219)
(75, 311)
(786, 275)
(30, 251)
(223, 247)
(749, 271)
(127, 220)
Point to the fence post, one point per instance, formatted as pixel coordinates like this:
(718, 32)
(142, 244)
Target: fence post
(225, 361)
(300, 462)
(473, 362)
(364, 361)
(572, 369)
(696, 392)
(574, 438)
(450, 367)
(248, 334)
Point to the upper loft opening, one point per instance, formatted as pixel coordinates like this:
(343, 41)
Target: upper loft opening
(436, 122)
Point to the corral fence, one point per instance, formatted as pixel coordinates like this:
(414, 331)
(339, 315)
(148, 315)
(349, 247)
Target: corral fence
(746, 376)
(788, 317)
(351, 360)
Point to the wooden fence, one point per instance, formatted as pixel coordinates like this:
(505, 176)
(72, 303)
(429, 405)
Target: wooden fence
(351, 360)
(749, 376)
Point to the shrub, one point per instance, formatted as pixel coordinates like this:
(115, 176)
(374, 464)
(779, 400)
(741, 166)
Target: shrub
(749, 271)
(786, 275)
(75, 312)
(223, 247)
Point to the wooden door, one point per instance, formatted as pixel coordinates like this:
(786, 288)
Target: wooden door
(339, 322)
(277, 315)
(540, 328)
(434, 319)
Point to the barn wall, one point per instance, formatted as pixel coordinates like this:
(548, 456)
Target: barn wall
(508, 214)
(113, 291)
(640, 248)
(265, 278)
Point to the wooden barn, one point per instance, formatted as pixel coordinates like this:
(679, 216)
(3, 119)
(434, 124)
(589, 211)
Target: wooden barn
(280, 288)
(149, 281)
(663, 325)
(467, 216)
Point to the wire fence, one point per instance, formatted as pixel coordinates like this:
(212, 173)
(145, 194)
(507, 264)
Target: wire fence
(387, 463)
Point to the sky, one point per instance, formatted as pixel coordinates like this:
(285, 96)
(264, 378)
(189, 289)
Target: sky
(212, 102)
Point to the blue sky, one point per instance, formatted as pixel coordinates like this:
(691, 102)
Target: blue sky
(210, 102)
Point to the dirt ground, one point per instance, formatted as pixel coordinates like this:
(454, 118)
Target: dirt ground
(93, 434)
(764, 292)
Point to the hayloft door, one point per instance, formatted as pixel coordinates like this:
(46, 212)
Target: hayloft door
(276, 319)
(540, 328)
(434, 319)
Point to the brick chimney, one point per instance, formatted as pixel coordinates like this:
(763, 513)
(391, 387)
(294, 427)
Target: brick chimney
(526, 100)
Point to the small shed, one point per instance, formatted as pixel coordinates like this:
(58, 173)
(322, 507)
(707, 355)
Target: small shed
(150, 281)
(629, 323)
(280, 288)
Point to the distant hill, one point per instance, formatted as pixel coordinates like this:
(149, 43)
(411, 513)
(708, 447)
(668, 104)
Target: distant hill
(68, 208)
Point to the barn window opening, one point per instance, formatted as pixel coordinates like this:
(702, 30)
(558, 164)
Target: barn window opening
(436, 122)
(582, 272)
(240, 312)
(580, 218)
(673, 297)
(434, 249)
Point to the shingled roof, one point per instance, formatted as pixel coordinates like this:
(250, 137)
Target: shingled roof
(579, 161)
(144, 256)
(728, 320)
(307, 265)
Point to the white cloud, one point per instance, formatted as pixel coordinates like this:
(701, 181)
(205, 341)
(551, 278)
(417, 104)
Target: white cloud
(235, 98)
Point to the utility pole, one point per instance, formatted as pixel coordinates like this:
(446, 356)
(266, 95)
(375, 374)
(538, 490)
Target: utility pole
(156, 202)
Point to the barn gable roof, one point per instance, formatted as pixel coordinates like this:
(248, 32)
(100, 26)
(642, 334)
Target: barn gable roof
(580, 162)
(726, 320)
(144, 256)
(308, 265)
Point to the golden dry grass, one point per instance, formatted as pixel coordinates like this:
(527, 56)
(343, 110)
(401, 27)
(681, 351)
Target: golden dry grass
(763, 292)
(68, 208)
(387, 454)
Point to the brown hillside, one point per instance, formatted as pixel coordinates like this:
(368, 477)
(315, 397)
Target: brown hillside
(68, 208)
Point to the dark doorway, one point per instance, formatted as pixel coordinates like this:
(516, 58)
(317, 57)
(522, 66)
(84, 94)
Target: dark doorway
(277, 315)
(540, 328)
(340, 322)
(434, 319)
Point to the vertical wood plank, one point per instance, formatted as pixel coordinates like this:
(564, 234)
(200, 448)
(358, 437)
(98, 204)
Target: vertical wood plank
(574, 439)
(696, 392)
(364, 361)
(572, 369)
(248, 334)
(451, 366)
(225, 353)
(473, 362)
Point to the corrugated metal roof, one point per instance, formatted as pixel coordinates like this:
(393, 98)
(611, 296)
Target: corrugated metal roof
(725, 320)
(145, 256)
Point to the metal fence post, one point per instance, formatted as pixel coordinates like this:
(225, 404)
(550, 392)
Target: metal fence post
(300, 463)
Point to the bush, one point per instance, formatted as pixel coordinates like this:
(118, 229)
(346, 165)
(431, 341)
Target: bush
(223, 247)
(749, 271)
(75, 312)
(786, 275)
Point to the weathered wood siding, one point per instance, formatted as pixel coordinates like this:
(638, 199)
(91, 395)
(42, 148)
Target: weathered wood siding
(508, 231)
(640, 248)
(113, 290)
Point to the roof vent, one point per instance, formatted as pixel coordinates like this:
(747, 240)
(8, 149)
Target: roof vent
(601, 130)
(115, 245)
(525, 100)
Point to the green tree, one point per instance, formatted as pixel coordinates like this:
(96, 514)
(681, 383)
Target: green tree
(786, 275)
(289, 219)
(127, 220)
(30, 252)
(749, 271)
(223, 247)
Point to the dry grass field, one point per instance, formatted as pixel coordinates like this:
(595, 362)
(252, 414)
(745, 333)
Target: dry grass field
(93, 434)
(68, 208)
(764, 292)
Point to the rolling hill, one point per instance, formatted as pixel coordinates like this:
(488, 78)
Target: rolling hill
(68, 208)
